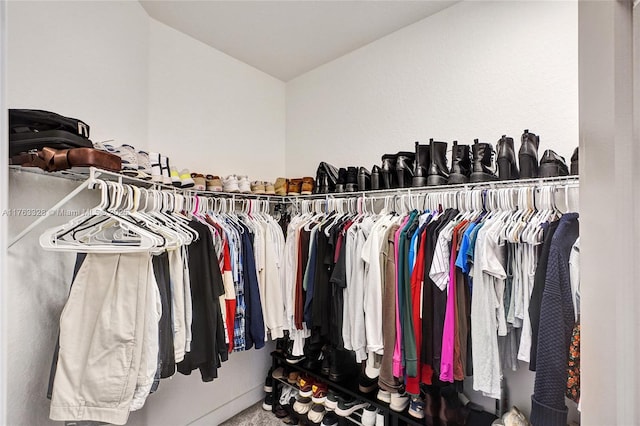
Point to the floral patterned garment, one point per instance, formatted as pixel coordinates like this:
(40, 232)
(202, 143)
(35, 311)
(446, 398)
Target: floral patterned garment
(573, 379)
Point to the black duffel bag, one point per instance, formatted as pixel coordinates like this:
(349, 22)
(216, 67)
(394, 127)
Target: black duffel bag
(33, 129)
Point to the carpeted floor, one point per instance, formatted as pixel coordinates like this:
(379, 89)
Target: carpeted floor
(253, 416)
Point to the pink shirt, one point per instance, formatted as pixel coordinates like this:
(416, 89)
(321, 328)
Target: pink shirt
(448, 333)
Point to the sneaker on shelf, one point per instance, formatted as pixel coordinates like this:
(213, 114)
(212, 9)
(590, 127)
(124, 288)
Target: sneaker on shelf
(294, 359)
(287, 393)
(316, 414)
(144, 164)
(292, 378)
(230, 184)
(307, 186)
(331, 400)
(258, 187)
(268, 403)
(379, 418)
(166, 173)
(330, 419)
(186, 180)
(347, 405)
(129, 157)
(367, 384)
(156, 167)
(278, 373)
(199, 182)
(369, 416)
(214, 183)
(295, 187)
(305, 385)
(384, 396)
(399, 401)
(269, 188)
(175, 177)
(268, 383)
(281, 186)
(244, 185)
(320, 391)
(416, 407)
(302, 405)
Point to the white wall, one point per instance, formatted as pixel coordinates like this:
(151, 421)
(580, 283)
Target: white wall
(212, 113)
(474, 70)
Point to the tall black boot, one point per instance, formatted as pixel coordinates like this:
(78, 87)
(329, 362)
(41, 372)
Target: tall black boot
(507, 168)
(552, 165)
(404, 168)
(388, 172)
(375, 177)
(352, 180)
(364, 179)
(483, 169)
(420, 169)
(342, 365)
(528, 155)
(342, 180)
(460, 164)
(438, 170)
(574, 162)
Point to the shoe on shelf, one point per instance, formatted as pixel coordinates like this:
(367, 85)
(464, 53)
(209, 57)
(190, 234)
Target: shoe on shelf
(379, 418)
(257, 187)
(331, 400)
(375, 177)
(574, 162)
(483, 169)
(230, 184)
(314, 356)
(214, 183)
(460, 164)
(286, 394)
(294, 359)
(399, 401)
(281, 186)
(421, 165)
(144, 164)
(199, 182)
(279, 373)
(351, 183)
(384, 396)
(327, 354)
(342, 365)
(404, 168)
(269, 188)
(268, 383)
(156, 167)
(267, 405)
(186, 181)
(552, 165)
(368, 380)
(305, 385)
(388, 172)
(342, 180)
(528, 155)
(295, 186)
(320, 391)
(175, 177)
(316, 414)
(416, 407)
(244, 185)
(307, 186)
(302, 405)
(129, 157)
(506, 154)
(438, 173)
(369, 416)
(330, 419)
(292, 378)
(348, 405)
(166, 170)
(364, 179)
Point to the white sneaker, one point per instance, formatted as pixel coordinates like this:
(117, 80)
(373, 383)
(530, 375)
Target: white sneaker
(166, 173)
(399, 401)
(379, 418)
(244, 184)
(156, 167)
(316, 414)
(129, 158)
(302, 405)
(144, 164)
(384, 396)
(369, 416)
(230, 184)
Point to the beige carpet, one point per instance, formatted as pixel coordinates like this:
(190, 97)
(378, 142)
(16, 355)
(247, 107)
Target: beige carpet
(253, 416)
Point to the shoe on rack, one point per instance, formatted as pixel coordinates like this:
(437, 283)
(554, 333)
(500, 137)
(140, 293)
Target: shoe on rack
(506, 154)
(388, 172)
(404, 168)
(416, 407)
(421, 166)
(302, 405)
(320, 391)
(438, 171)
(144, 164)
(280, 411)
(199, 182)
(269, 189)
(399, 401)
(364, 179)
(384, 396)
(574, 162)
(327, 354)
(279, 374)
(552, 165)
(305, 385)
(258, 187)
(307, 186)
(295, 186)
(267, 404)
(175, 177)
(292, 378)
(366, 383)
(330, 419)
(369, 416)
(375, 178)
(243, 184)
(341, 183)
(129, 157)
(452, 411)
(483, 169)
(214, 183)
(314, 357)
(316, 414)
(186, 181)
(281, 186)
(331, 400)
(342, 365)
(347, 405)
(156, 167)
(528, 155)
(268, 382)
(351, 184)
(166, 170)
(230, 184)
(460, 164)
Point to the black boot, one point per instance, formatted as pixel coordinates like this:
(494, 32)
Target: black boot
(364, 179)
(352, 180)
(483, 170)
(438, 170)
(528, 155)
(343, 365)
(507, 168)
(342, 180)
(326, 178)
(552, 165)
(404, 168)
(460, 164)
(574, 162)
(388, 172)
(421, 165)
(375, 178)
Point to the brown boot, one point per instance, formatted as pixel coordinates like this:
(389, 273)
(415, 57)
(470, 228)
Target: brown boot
(295, 186)
(307, 186)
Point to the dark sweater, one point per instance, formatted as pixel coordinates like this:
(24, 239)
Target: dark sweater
(554, 336)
